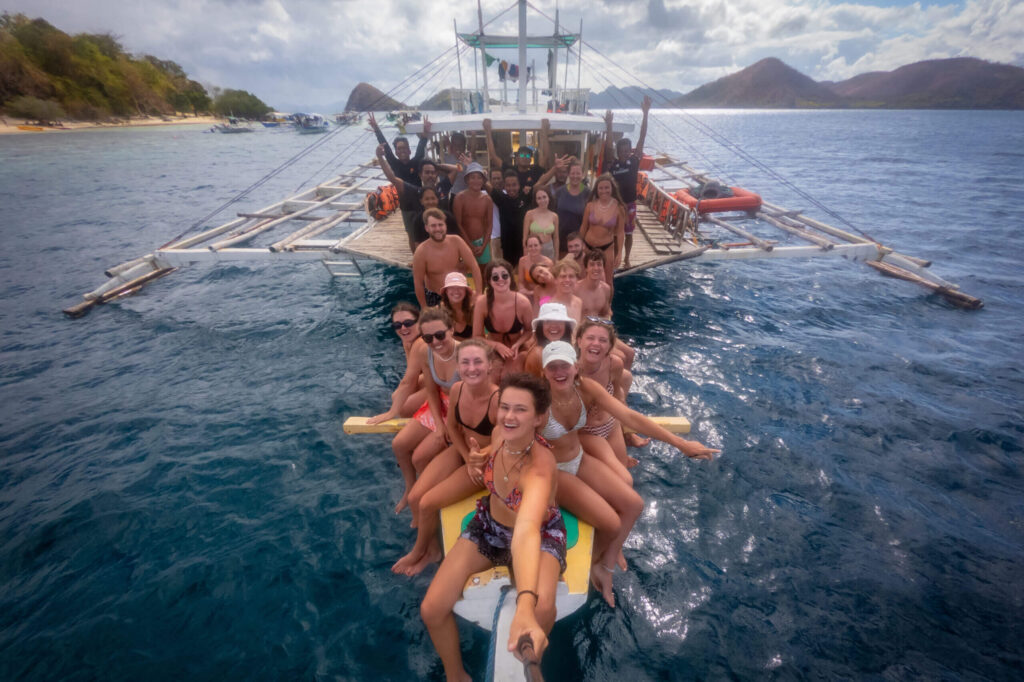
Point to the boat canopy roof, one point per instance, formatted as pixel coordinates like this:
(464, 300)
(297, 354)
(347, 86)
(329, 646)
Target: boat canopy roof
(531, 121)
(564, 40)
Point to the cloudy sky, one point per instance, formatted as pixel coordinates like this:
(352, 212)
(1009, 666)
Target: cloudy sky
(310, 53)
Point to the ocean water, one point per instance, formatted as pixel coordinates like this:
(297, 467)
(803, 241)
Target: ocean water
(177, 499)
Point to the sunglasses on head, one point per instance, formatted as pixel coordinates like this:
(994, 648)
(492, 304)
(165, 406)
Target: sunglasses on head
(599, 320)
(404, 323)
(427, 338)
(499, 276)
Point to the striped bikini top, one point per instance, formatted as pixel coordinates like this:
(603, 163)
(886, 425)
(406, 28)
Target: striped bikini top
(553, 429)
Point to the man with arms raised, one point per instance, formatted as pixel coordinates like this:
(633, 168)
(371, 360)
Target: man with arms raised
(436, 257)
(624, 167)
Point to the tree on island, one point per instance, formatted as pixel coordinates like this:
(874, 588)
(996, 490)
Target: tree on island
(238, 103)
(89, 76)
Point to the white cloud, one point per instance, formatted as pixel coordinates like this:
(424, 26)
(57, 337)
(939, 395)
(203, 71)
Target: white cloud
(312, 52)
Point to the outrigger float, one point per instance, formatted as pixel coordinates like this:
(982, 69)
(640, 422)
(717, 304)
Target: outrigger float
(330, 224)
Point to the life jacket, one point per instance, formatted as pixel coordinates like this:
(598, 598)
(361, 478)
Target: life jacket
(382, 201)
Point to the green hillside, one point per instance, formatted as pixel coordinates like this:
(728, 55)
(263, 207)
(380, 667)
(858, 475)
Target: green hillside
(48, 74)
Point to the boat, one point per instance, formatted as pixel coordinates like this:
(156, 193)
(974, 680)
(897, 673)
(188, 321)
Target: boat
(329, 224)
(233, 126)
(310, 124)
(348, 118)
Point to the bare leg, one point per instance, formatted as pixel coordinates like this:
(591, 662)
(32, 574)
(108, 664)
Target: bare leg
(604, 450)
(626, 502)
(426, 450)
(403, 445)
(438, 469)
(436, 610)
(413, 403)
(581, 500)
(426, 551)
(629, 248)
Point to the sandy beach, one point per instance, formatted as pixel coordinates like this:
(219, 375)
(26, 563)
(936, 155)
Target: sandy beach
(10, 126)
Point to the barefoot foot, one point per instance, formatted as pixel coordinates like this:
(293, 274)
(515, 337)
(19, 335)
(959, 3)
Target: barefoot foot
(635, 440)
(431, 556)
(621, 561)
(402, 503)
(403, 564)
(601, 577)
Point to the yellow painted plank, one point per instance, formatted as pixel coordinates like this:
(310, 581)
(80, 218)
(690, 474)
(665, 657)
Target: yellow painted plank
(358, 425)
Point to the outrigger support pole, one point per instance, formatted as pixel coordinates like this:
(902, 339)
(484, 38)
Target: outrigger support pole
(483, 49)
(522, 57)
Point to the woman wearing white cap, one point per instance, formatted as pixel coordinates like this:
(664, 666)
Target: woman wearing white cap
(587, 486)
(458, 300)
(552, 324)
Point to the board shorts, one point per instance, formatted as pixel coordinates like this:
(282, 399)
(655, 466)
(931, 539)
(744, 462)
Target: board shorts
(485, 257)
(494, 540)
(630, 217)
(432, 298)
(423, 415)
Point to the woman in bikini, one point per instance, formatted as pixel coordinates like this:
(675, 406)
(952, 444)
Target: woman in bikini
(473, 415)
(586, 484)
(542, 222)
(405, 321)
(544, 284)
(458, 300)
(603, 434)
(424, 436)
(532, 256)
(502, 315)
(604, 223)
(517, 524)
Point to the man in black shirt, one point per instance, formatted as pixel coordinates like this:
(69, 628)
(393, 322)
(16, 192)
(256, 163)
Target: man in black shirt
(624, 165)
(409, 192)
(406, 168)
(512, 206)
(523, 164)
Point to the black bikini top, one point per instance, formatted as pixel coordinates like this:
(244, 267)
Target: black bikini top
(485, 427)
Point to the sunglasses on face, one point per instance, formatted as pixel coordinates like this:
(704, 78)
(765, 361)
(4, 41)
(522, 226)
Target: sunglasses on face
(427, 338)
(404, 323)
(499, 276)
(525, 155)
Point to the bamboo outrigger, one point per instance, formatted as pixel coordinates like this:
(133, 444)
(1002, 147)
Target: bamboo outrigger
(329, 224)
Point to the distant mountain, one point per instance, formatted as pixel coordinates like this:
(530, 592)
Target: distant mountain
(960, 83)
(441, 101)
(768, 83)
(365, 97)
(632, 96)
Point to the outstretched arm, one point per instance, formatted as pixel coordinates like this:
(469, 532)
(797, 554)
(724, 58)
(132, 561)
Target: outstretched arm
(496, 161)
(421, 146)
(642, 424)
(399, 184)
(639, 149)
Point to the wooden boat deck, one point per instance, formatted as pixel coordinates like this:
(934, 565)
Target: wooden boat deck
(385, 241)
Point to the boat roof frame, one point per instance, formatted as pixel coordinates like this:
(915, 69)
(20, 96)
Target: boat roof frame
(512, 121)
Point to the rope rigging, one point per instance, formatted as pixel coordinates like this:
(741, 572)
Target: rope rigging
(721, 139)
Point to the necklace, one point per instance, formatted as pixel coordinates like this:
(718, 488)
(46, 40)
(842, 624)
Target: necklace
(519, 462)
(450, 355)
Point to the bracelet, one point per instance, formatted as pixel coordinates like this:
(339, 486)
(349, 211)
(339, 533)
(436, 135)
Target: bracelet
(522, 592)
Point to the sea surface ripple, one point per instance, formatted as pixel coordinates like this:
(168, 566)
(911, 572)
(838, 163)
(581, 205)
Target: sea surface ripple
(177, 500)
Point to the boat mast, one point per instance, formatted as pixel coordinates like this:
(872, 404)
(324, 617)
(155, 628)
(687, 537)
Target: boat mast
(523, 70)
(458, 58)
(486, 105)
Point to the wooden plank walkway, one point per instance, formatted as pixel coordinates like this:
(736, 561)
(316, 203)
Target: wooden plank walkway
(385, 241)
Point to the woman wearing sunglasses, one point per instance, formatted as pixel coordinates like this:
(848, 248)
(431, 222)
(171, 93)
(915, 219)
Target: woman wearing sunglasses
(502, 316)
(405, 321)
(432, 361)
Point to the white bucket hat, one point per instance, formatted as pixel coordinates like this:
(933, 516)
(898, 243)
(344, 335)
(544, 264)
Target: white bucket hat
(553, 312)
